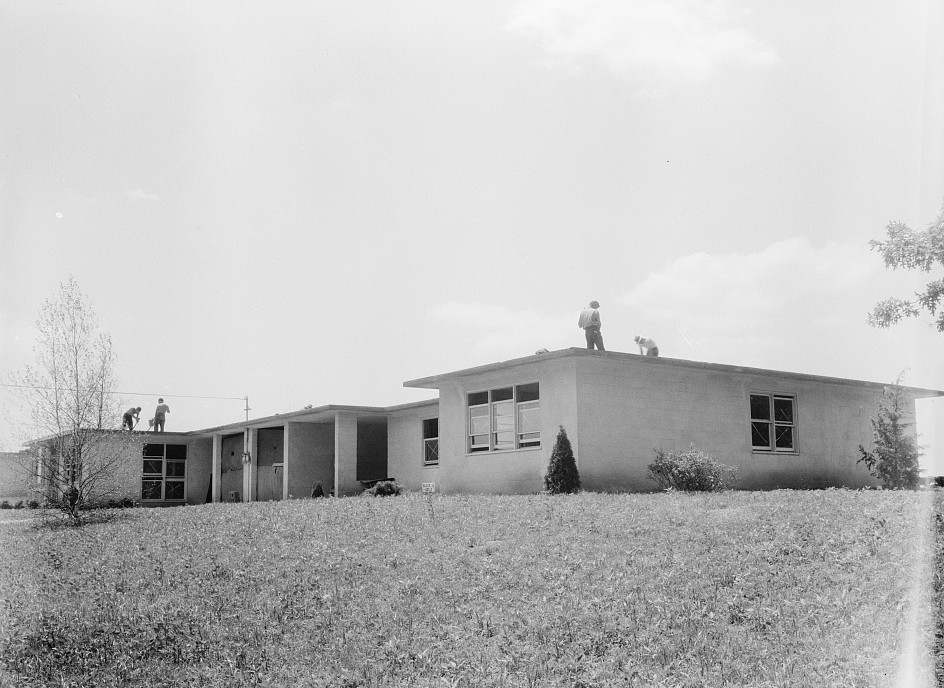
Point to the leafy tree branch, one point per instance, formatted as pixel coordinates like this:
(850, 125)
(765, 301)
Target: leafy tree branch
(910, 250)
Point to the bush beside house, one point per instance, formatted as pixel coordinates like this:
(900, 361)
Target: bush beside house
(562, 475)
(691, 471)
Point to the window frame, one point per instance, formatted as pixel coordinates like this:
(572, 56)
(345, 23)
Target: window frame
(429, 448)
(503, 414)
(773, 424)
(165, 477)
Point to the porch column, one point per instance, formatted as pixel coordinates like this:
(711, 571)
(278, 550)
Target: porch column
(249, 474)
(345, 454)
(217, 467)
(285, 455)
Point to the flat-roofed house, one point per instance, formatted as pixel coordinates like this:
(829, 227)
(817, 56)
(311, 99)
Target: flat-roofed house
(492, 428)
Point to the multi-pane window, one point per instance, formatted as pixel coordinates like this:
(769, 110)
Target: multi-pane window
(505, 418)
(165, 472)
(773, 422)
(431, 442)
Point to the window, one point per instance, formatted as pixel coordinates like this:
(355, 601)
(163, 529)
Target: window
(773, 423)
(165, 473)
(505, 418)
(431, 442)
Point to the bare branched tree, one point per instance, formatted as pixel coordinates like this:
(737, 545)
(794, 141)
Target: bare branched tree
(77, 458)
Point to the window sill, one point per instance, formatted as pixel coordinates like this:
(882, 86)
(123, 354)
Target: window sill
(502, 451)
(761, 452)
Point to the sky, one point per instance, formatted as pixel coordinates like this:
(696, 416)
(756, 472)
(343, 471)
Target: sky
(310, 203)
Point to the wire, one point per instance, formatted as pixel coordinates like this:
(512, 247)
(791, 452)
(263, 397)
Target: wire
(143, 394)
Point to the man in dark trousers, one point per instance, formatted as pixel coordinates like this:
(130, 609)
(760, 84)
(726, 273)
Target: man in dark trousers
(159, 415)
(589, 320)
(130, 418)
(646, 346)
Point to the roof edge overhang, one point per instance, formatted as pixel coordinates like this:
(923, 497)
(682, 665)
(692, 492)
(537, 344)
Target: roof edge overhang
(436, 381)
(311, 415)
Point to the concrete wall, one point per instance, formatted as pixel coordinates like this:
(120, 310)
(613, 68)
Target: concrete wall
(405, 447)
(628, 407)
(199, 469)
(269, 445)
(270, 454)
(311, 457)
(231, 466)
(518, 471)
(14, 469)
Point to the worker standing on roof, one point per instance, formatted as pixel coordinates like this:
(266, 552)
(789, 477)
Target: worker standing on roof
(159, 412)
(646, 346)
(589, 320)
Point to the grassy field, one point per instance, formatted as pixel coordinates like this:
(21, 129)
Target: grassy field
(761, 589)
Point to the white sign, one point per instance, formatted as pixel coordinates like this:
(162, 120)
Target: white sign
(429, 487)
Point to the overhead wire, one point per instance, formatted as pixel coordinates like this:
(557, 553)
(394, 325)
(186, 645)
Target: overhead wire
(143, 394)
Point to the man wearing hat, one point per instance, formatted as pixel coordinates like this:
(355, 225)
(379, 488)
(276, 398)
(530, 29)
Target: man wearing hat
(589, 320)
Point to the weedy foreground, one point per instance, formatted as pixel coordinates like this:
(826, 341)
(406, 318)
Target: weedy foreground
(779, 588)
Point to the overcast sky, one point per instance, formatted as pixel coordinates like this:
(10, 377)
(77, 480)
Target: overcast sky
(309, 203)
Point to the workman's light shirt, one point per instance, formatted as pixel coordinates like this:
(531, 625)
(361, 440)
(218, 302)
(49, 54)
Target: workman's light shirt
(589, 317)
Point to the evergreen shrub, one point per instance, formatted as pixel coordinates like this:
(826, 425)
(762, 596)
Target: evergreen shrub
(562, 476)
(894, 459)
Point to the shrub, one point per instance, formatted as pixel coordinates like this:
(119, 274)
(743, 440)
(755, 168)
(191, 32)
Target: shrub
(562, 475)
(19, 505)
(32, 504)
(385, 488)
(895, 459)
(691, 471)
(5, 505)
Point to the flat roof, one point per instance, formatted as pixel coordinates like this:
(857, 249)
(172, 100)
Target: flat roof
(315, 414)
(435, 381)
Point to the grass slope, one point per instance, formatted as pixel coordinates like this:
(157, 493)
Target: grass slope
(763, 589)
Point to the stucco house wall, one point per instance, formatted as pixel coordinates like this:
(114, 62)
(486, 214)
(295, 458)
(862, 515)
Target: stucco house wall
(199, 469)
(311, 458)
(514, 471)
(633, 405)
(618, 408)
(405, 446)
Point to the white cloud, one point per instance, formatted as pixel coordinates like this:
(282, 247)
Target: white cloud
(141, 195)
(503, 333)
(789, 305)
(651, 42)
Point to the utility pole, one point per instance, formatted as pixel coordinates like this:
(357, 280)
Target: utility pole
(247, 408)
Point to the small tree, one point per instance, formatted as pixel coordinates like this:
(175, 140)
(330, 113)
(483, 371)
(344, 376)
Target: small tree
(894, 460)
(912, 250)
(562, 475)
(76, 458)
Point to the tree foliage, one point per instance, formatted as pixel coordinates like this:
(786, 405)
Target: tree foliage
(76, 457)
(562, 475)
(894, 459)
(910, 250)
